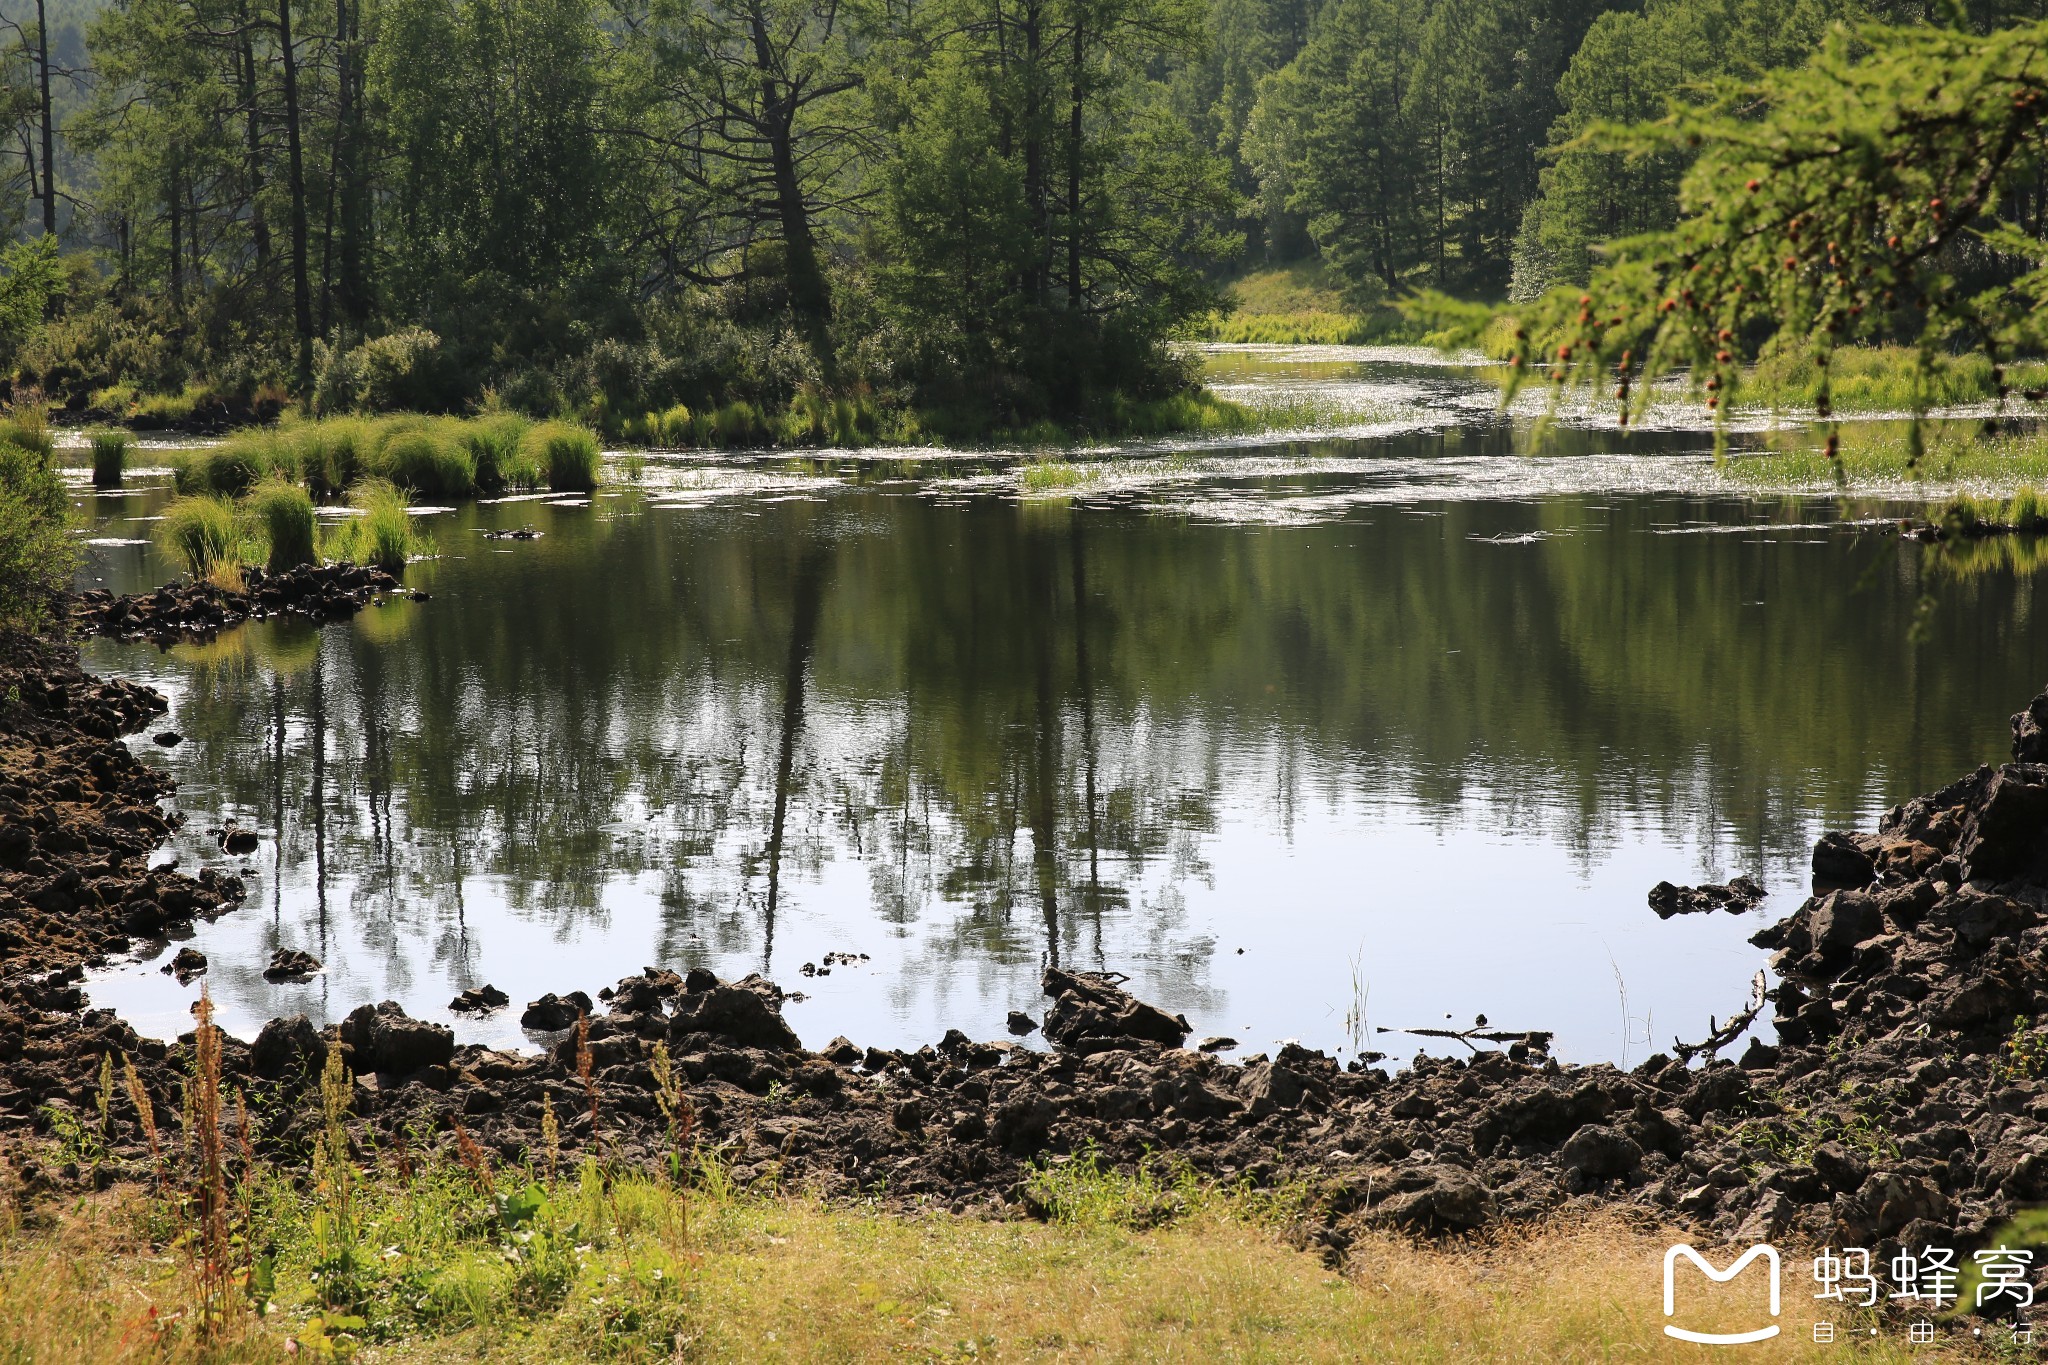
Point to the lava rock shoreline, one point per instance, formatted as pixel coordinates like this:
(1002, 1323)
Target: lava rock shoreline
(200, 610)
(1896, 1107)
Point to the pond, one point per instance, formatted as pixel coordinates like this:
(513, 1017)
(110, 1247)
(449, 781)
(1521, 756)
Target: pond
(1385, 723)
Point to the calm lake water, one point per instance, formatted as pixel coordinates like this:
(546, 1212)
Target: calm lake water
(1386, 721)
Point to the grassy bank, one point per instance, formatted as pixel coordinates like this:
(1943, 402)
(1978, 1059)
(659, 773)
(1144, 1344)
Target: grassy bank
(1299, 304)
(1948, 452)
(444, 1264)
(1882, 379)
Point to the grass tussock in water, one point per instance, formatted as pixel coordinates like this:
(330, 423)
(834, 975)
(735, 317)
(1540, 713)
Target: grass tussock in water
(205, 535)
(430, 457)
(565, 455)
(109, 456)
(383, 533)
(284, 513)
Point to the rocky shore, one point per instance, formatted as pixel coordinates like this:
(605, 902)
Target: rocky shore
(189, 610)
(1905, 1101)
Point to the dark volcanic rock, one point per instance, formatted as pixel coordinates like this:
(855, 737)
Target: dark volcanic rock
(479, 1000)
(286, 1047)
(189, 964)
(553, 1013)
(748, 1012)
(1844, 862)
(384, 1038)
(289, 964)
(323, 592)
(1020, 1023)
(1741, 894)
(1092, 1012)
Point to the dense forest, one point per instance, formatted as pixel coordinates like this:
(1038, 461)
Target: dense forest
(985, 212)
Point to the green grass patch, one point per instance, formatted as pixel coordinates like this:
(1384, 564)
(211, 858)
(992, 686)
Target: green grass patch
(27, 429)
(427, 458)
(1302, 304)
(1947, 451)
(1879, 379)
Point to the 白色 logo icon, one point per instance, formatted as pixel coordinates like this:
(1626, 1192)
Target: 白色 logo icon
(1767, 1254)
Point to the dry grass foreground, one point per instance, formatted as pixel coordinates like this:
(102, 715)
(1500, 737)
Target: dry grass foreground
(740, 1276)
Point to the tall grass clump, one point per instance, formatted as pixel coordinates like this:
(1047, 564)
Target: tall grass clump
(237, 465)
(27, 428)
(565, 454)
(382, 533)
(333, 453)
(109, 457)
(430, 460)
(2028, 511)
(199, 532)
(284, 511)
(495, 442)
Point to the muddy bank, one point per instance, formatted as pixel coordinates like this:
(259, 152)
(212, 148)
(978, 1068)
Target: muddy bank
(1897, 1105)
(200, 610)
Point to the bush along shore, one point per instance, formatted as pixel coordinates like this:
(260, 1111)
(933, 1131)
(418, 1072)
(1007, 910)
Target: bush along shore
(1904, 1103)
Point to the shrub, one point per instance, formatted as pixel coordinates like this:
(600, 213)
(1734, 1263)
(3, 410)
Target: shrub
(285, 514)
(565, 454)
(109, 457)
(200, 534)
(429, 460)
(405, 369)
(36, 556)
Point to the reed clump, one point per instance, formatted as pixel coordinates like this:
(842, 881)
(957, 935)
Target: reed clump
(109, 456)
(202, 534)
(566, 455)
(284, 512)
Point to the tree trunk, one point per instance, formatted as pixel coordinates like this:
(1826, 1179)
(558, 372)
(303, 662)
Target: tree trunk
(49, 126)
(1074, 175)
(252, 148)
(302, 294)
(810, 297)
